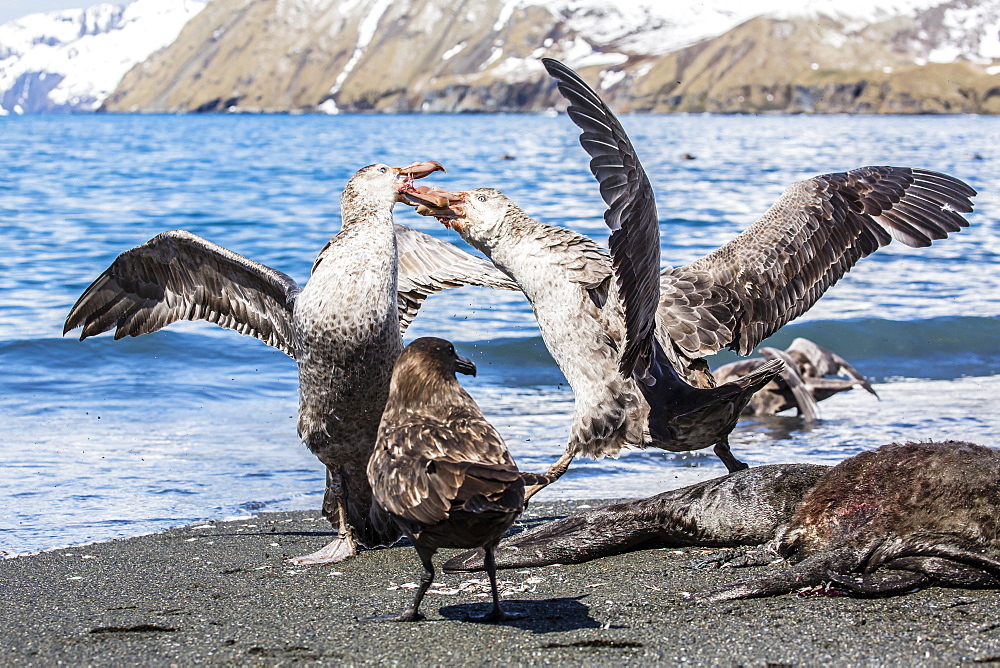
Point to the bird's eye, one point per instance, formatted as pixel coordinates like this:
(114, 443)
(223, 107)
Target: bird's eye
(383, 169)
(451, 349)
(481, 198)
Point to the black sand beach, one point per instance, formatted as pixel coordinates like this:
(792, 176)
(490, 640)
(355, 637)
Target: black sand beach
(222, 593)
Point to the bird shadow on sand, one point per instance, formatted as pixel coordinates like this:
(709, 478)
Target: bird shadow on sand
(544, 616)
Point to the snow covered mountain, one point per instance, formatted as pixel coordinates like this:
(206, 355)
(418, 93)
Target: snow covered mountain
(903, 56)
(72, 60)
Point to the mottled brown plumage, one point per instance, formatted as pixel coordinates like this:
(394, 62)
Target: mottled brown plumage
(439, 469)
(344, 328)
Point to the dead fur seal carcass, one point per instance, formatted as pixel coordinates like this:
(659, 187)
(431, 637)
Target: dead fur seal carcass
(884, 522)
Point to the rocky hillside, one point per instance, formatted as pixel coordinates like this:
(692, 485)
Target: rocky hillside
(933, 56)
(824, 65)
(369, 55)
(456, 55)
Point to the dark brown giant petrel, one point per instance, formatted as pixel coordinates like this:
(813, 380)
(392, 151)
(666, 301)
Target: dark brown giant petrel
(439, 469)
(344, 328)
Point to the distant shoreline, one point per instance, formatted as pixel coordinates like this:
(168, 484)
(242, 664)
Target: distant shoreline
(510, 112)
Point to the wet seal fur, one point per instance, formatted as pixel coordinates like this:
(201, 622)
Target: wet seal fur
(884, 522)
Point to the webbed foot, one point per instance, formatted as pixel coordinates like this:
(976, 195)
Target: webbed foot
(339, 549)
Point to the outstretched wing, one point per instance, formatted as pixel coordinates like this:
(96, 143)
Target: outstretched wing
(427, 265)
(818, 229)
(773, 272)
(631, 213)
(180, 276)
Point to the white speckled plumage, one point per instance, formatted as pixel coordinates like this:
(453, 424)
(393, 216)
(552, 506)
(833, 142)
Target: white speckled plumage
(348, 336)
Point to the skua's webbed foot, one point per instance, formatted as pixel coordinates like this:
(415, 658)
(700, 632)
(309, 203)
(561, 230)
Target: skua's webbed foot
(496, 615)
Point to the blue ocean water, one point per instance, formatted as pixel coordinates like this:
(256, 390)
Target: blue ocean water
(107, 438)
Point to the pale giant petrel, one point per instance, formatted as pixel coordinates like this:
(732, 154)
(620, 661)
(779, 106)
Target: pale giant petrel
(344, 328)
(732, 298)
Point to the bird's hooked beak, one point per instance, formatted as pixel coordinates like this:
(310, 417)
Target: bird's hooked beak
(447, 207)
(405, 176)
(466, 366)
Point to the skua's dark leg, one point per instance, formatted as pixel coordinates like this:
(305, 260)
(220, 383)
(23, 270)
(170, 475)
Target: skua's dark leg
(497, 615)
(413, 614)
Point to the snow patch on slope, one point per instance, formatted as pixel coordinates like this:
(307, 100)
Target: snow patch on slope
(366, 31)
(655, 28)
(71, 60)
(972, 32)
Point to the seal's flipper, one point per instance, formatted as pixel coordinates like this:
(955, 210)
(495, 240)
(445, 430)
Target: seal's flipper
(776, 581)
(737, 557)
(906, 574)
(882, 583)
(596, 533)
(743, 508)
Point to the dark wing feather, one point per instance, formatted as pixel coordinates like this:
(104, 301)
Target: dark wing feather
(423, 468)
(631, 213)
(180, 276)
(804, 400)
(427, 265)
(828, 363)
(818, 229)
